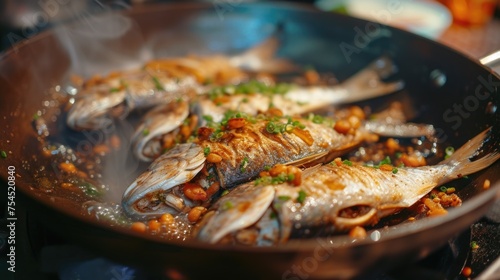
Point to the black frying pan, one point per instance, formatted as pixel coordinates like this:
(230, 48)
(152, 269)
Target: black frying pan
(437, 80)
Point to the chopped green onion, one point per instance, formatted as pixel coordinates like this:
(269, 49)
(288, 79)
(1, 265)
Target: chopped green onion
(347, 162)
(112, 90)
(145, 132)
(271, 127)
(291, 177)
(208, 118)
(302, 196)
(90, 189)
(448, 151)
(474, 245)
(157, 83)
(216, 135)
(298, 124)
(224, 192)
(386, 160)
(394, 170)
(443, 188)
(244, 164)
(227, 205)
(206, 151)
(318, 119)
(284, 197)
(3, 154)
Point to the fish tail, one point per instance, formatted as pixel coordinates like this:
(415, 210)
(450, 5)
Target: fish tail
(368, 82)
(262, 58)
(461, 158)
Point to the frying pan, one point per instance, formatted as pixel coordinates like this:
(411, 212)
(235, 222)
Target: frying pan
(437, 80)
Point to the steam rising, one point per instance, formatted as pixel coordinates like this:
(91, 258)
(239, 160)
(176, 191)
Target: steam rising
(98, 44)
(101, 43)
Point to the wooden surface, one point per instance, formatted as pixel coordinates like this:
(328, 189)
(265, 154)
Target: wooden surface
(474, 41)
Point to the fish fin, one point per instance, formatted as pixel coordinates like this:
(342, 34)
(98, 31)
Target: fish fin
(237, 210)
(309, 159)
(399, 129)
(261, 58)
(368, 83)
(310, 170)
(460, 159)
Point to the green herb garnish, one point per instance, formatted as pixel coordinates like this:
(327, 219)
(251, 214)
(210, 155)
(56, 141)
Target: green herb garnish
(227, 205)
(394, 170)
(386, 160)
(318, 119)
(90, 189)
(272, 127)
(443, 188)
(157, 83)
(284, 197)
(347, 162)
(244, 164)
(302, 196)
(448, 151)
(145, 132)
(3, 154)
(206, 151)
(273, 215)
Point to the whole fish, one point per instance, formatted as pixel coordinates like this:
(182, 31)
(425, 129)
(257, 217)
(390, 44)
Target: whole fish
(166, 80)
(336, 196)
(232, 152)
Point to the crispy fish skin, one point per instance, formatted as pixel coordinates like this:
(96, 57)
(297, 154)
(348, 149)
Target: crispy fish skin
(332, 188)
(247, 150)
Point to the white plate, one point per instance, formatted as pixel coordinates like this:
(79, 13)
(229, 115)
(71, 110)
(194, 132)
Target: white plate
(426, 18)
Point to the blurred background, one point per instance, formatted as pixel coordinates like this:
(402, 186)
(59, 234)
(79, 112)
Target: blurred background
(471, 26)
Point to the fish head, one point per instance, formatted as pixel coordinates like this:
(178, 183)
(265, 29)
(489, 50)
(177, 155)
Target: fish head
(151, 194)
(162, 119)
(236, 211)
(95, 110)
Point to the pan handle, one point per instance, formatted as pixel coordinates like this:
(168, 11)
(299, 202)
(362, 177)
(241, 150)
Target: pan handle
(491, 60)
